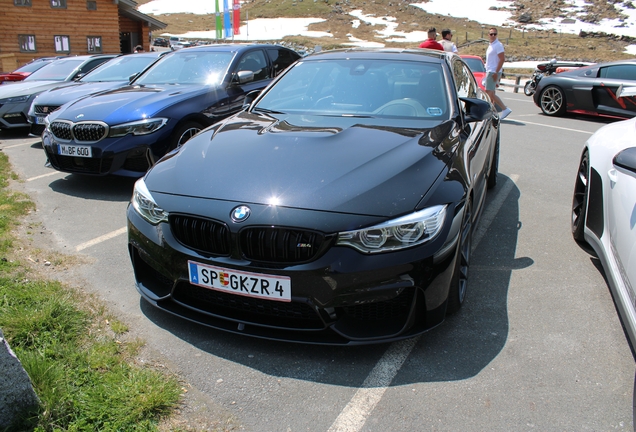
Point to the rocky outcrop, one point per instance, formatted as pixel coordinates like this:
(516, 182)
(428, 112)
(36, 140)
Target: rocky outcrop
(17, 396)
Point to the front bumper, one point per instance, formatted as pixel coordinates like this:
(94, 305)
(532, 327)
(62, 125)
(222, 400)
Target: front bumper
(14, 115)
(128, 156)
(342, 297)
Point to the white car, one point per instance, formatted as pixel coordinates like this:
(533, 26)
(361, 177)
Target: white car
(604, 210)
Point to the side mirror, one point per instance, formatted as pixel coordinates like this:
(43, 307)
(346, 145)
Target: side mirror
(249, 98)
(132, 77)
(625, 91)
(626, 159)
(78, 76)
(243, 77)
(477, 109)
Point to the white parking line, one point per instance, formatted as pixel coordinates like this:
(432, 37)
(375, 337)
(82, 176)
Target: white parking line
(43, 175)
(355, 414)
(18, 145)
(556, 127)
(100, 239)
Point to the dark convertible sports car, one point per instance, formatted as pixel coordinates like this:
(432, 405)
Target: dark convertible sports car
(324, 212)
(589, 90)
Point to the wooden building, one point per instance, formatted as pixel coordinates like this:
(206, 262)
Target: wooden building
(42, 28)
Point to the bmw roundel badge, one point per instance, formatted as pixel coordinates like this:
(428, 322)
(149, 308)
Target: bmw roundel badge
(240, 213)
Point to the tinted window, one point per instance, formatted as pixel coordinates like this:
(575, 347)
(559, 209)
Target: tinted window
(91, 65)
(188, 67)
(59, 70)
(364, 87)
(119, 69)
(255, 61)
(622, 72)
(464, 80)
(281, 58)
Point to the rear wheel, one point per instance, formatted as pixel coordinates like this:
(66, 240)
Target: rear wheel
(579, 199)
(459, 282)
(552, 101)
(183, 133)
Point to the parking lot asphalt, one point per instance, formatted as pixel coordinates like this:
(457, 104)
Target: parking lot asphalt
(537, 346)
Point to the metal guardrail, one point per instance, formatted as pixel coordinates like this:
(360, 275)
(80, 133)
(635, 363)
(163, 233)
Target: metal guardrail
(517, 79)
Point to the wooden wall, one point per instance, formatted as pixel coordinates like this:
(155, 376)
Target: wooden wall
(43, 21)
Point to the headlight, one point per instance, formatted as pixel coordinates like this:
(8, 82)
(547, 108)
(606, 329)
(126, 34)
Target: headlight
(404, 232)
(146, 206)
(141, 127)
(16, 99)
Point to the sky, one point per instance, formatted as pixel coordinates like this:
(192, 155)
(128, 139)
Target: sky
(277, 28)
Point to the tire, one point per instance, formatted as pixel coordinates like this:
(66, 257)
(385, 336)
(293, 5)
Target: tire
(552, 101)
(494, 166)
(183, 133)
(579, 199)
(459, 281)
(529, 88)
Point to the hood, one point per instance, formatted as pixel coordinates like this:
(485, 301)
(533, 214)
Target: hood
(129, 103)
(322, 163)
(23, 88)
(60, 96)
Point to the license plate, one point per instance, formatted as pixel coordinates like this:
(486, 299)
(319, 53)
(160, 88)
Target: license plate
(248, 284)
(74, 150)
(39, 120)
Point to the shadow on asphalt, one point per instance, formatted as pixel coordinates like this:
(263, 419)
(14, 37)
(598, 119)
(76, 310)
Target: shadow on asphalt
(92, 188)
(458, 349)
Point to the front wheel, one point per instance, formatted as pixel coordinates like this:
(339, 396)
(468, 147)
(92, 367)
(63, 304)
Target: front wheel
(529, 88)
(459, 282)
(183, 133)
(579, 199)
(552, 101)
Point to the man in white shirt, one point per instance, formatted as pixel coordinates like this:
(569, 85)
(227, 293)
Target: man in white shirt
(495, 58)
(446, 42)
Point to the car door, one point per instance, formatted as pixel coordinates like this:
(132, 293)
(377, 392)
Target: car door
(478, 138)
(621, 211)
(254, 61)
(609, 79)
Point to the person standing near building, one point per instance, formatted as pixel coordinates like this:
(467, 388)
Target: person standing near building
(495, 58)
(431, 42)
(446, 42)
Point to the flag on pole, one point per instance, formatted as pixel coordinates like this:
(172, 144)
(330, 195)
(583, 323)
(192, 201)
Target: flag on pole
(227, 20)
(219, 24)
(237, 17)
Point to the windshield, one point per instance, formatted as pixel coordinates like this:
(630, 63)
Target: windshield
(354, 87)
(32, 67)
(475, 65)
(188, 67)
(59, 70)
(119, 69)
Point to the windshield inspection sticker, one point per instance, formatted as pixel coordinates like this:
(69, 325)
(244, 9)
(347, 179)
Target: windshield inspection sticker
(434, 111)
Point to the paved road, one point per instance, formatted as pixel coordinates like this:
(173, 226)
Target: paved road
(538, 345)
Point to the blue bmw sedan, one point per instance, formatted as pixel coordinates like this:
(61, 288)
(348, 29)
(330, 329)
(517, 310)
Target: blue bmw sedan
(126, 130)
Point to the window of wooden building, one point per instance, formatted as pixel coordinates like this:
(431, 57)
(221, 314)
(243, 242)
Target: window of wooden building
(22, 2)
(94, 44)
(58, 4)
(27, 43)
(62, 44)
(91, 5)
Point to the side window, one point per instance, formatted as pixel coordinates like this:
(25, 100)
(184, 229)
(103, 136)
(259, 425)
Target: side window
(622, 72)
(92, 65)
(464, 80)
(281, 58)
(255, 61)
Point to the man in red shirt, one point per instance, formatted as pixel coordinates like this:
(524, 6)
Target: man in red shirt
(431, 42)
